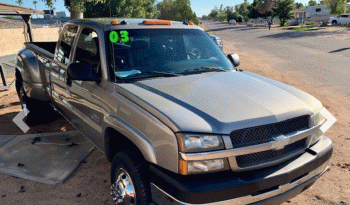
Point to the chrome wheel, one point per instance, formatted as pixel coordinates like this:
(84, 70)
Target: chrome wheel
(123, 190)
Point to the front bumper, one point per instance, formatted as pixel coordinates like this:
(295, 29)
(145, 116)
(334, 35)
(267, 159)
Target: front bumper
(272, 185)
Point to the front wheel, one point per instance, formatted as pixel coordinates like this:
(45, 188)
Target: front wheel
(334, 23)
(129, 179)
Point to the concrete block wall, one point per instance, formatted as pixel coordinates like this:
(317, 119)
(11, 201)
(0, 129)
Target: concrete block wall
(11, 40)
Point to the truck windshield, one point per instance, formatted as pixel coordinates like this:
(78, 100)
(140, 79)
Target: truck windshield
(141, 52)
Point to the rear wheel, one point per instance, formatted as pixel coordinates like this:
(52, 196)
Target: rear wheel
(129, 179)
(34, 106)
(334, 23)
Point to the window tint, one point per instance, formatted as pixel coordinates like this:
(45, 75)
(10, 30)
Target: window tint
(344, 16)
(87, 50)
(65, 47)
(318, 9)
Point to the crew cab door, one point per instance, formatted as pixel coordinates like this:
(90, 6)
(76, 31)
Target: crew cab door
(58, 70)
(83, 97)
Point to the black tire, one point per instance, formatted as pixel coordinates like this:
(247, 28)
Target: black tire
(334, 23)
(34, 106)
(137, 169)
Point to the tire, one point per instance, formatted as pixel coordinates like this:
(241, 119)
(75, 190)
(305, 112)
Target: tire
(128, 166)
(34, 106)
(334, 23)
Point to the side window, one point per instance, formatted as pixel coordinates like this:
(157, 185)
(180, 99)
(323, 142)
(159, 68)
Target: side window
(318, 10)
(87, 50)
(68, 35)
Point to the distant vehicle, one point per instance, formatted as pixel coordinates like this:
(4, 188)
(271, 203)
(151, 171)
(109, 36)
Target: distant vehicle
(318, 13)
(218, 41)
(342, 19)
(232, 21)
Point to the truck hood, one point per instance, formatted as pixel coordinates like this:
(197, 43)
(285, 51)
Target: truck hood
(220, 102)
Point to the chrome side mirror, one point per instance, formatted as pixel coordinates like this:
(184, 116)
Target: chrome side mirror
(234, 58)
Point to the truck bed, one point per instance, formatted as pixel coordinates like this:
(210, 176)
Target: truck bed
(45, 49)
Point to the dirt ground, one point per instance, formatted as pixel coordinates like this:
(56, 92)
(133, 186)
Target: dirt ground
(90, 183)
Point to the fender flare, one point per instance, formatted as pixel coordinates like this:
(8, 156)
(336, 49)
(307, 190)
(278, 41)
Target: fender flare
(137, 138)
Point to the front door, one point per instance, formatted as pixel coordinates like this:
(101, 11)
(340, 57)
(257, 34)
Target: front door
(83, 96)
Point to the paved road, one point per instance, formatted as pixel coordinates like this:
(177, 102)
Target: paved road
(322, 58)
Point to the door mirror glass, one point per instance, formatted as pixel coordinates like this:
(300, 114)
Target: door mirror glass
(82, 71)
(234, 58)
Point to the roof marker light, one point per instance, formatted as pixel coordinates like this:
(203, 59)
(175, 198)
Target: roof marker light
(114, 23)
(157, 22)
(191, 23)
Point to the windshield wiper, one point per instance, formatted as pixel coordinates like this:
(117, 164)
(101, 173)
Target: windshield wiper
(153, 73)
(204, 69)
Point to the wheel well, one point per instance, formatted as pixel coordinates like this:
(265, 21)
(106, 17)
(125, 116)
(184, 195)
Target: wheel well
(334, 21)
(116, 142)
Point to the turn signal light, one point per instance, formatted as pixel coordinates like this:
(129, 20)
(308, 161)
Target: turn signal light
(157, 22)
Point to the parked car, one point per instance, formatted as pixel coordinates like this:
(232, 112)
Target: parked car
(342, 19)
(218, 41)
(232, 22)
(180, 123)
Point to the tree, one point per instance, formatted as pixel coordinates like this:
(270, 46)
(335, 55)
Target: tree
(121, 8)
(299, 6)
(312, 3)
(283, 10)
(19, 2)
(242, 9)
(178, 10)
(336, 6)
(265, 7)
(35, 3)
(213, 13)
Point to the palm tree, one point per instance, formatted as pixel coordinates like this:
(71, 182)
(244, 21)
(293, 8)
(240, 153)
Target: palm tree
(35, 3)
(19, 2)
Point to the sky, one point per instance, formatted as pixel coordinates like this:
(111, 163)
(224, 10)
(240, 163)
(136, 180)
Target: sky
(201, 7)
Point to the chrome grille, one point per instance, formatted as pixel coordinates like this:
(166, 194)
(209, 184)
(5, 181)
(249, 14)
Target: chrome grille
(270, 155)
(265, 133)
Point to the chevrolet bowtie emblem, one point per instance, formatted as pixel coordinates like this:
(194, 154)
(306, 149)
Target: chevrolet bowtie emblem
(280, 142)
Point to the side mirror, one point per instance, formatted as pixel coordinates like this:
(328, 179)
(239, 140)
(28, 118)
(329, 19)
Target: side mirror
(234, 58)
(81, 71)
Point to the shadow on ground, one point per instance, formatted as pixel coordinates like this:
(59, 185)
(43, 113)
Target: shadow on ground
(339, 50)
(295, 34)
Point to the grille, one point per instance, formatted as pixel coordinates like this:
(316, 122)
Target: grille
(265, 133)
(270, 155)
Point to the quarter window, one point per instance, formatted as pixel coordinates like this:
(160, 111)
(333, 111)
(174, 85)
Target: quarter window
(65, 47)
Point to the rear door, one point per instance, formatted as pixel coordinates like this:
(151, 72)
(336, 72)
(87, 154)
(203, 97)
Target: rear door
(58, 71)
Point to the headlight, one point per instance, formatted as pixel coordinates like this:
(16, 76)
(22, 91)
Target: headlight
(199, 142)
(201, 167)
(317, 118)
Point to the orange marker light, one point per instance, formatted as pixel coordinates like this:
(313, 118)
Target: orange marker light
(113, 23)
(157, 22)
(191, 23)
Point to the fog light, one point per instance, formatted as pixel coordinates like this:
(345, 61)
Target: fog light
(316, 137)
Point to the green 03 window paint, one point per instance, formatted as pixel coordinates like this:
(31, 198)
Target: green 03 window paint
(114, 37)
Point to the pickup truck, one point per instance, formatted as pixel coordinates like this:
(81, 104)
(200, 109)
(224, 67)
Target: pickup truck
(342, 19)
(179, 121)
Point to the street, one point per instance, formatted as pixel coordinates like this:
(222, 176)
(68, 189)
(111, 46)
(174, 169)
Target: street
(318, 55)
